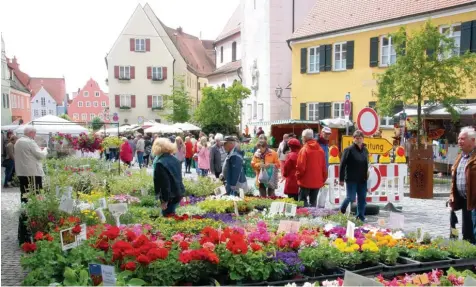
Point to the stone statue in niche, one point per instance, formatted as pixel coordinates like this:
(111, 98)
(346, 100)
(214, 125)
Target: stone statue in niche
(255, 76)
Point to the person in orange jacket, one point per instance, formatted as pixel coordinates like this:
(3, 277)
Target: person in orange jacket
(263, 159)
(311, 171)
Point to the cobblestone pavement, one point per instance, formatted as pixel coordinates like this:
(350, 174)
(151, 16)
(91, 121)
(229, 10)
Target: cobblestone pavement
(12, 273)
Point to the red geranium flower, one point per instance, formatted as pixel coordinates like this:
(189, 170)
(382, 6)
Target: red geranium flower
(112, 233)
(184, 245)
(255, 246)
(103, 245)
(130, 235)
(28, 247)
(158, 253)
(76, 229)
(49, 237)
(141, 240)
(143, 259)
(39, 235)
(121, 246)
(131, 266)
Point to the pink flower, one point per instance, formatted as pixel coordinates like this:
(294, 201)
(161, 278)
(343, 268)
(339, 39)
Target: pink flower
(208, 245)
(177, 237)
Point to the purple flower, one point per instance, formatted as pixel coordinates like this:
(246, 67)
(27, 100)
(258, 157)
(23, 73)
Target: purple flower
(224, 217)
(291, 260)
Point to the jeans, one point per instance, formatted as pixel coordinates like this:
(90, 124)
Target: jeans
(294, 196)
(113, 154)
(146, 160)
(170, 210)
(353, 190)
(312, 193)
(203, 172)
(140, 158)
(188, 164)
(9, 166)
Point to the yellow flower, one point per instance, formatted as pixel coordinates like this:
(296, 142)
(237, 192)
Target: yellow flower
(348, 250)
(352, 240)
(355, 247)
(339, 241)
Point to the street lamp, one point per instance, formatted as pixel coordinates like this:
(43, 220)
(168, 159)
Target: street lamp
(278, 91)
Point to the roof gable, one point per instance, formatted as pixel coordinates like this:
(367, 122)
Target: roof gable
(54, 86)
(190, 47)
(42, 92)
(334, 15)
(233, 25)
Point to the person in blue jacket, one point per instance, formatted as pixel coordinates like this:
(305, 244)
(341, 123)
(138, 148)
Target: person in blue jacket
(233, 168)
(323, 140)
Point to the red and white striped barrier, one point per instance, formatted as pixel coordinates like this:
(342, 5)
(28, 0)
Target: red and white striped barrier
(385, 184)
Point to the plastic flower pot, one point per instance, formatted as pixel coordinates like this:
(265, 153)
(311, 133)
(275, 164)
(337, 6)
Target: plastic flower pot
(440, 264)
(460, 262)
(402, 262)
(364, 269)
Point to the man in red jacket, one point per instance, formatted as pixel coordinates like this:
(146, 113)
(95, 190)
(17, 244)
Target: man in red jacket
(311, 171)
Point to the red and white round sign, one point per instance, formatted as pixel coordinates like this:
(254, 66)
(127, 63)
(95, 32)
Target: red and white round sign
(368, 121)
(375, 179)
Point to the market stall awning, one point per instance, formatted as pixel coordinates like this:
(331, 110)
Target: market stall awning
(186, 126)
(336, 123)
(53, 124)
(122, 129)
(439, 111)
(163, 129)
(281, 122)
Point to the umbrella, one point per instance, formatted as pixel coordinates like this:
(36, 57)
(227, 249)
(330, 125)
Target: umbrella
(186, 127)
(53, 124)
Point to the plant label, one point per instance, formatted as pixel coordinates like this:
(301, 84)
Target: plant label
(102, 203)
(69, 191)
(66, 204)
(290, 209)
(235, 204)
(104, 274)
(396, 220)
(469, 281)
(101, 215)
(69, 240)
(143, 192)
(295, 226)
(352, 279)
(284, 226)
(350, 230)
(58, 190)
(117, 218)
(118, 209)
(82, 236)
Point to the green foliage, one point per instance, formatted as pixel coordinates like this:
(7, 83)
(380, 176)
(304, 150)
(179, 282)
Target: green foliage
(96, 123)
(205, 186)
(429, 254)
(416, 77)
(220, 108)
(65, 117)
(179, 102)
(388, 255)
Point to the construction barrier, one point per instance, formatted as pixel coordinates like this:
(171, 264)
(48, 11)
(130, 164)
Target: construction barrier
(385, 184)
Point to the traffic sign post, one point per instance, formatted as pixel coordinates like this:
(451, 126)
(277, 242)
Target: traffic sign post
(374, 145)
(368, 121)
(347, 109)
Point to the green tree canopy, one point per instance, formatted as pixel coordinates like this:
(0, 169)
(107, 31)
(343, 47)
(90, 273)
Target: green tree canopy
(65, 117)
(427, 68)
(220, 108)
(96, 123)
(179, 102)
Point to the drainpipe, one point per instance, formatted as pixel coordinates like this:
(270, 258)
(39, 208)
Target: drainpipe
(293, 15)
(238, 72)
(173, 73)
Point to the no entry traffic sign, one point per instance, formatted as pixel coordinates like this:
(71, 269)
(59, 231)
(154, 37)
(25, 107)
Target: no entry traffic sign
(368, 121)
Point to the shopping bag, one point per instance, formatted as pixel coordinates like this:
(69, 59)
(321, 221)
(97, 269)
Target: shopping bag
(322, 197)
(263, 176)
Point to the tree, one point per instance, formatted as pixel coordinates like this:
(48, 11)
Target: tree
(65, 116)
(96, 123)
(220, 108)
(179, 102)
(426, 69)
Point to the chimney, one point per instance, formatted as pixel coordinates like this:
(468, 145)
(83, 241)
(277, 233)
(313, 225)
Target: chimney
(15, 64)
(179, 30)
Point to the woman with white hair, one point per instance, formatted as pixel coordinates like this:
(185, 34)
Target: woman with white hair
(217, 156)
(168, 185)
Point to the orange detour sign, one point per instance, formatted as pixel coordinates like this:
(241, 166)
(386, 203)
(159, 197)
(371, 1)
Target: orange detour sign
(334, 155)
(384, 158)
(400, 155)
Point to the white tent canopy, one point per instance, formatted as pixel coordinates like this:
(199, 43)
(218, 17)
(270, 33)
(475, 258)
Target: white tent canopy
(336, 123)
(53, 124)
(164, 129)
(113, 130)
(186, 126)
(463, 110)
(10, 127)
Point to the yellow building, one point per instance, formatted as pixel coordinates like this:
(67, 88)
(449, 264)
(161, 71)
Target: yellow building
(343, 43)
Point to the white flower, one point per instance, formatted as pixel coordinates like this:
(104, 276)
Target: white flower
(290, 285)
(330, 283)
(328, 227)
(307, 284)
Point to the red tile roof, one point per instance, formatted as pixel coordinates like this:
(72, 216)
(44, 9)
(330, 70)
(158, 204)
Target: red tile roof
(24, 78)
(55, 87)
(227, 68)
(334, 15)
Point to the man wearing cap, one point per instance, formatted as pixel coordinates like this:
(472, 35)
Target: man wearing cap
(233, 168)
(323, 140)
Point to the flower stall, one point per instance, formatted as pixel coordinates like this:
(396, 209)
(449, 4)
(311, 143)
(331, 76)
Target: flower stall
(114, 221)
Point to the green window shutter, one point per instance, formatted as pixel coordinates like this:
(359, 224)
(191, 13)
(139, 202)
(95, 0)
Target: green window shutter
(374, 52)
(321, 112)
(303, 110)
(328, 110)
(328, 57)
(350, 55)
(322, 58)
(465, 37)
(473, 36)
(303, 60)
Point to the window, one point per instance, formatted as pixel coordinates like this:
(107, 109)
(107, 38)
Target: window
(75, 116)
(140, 45)
(313, 111)
(249, 111)
(338, 110)
(43, 113)
(95, 104)
(255, 110)
(96, 94)
(50, 112)
(314, 60)
(157, 101)
(221, 54)
(84, 117)
(7, 101)
(80, 104)
(260, 111)
(388, 55)
(125, 72)
(386, 122)
(86, 93)
(43, 102)
(91, 116)
(22, 103)
(35, 113)
(103, 104)
(233, 51)
(14, 101)
(156, 73)
(125, 101)
(88, 104)
(454, 32)
(340, 56)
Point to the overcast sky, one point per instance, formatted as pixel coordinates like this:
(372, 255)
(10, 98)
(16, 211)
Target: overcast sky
(70, 38)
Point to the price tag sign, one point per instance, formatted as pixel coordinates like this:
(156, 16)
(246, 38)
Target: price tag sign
(118, 209)
(396, 220)
(350, 230)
